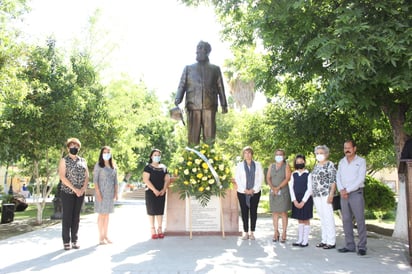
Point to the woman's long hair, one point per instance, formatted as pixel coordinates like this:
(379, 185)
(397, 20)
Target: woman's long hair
(101, 161)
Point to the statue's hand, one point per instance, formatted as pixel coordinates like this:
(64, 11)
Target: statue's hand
(177, 102)
(224, 109)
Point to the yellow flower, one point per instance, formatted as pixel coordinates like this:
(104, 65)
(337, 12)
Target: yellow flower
(199, 175)
(201, 189)
(203, 151)
(204, 165)
(189, 163)
(186, 182)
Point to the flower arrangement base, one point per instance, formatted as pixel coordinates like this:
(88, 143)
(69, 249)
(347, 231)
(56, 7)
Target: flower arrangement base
(177, 216)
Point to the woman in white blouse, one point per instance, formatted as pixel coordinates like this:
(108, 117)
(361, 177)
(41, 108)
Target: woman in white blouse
(248, 177)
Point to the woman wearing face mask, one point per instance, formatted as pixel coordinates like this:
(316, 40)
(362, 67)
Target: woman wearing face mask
(106, 189)
(157, 180)
(323, 188)
(277, 177)
(74, 175)
(300, 187)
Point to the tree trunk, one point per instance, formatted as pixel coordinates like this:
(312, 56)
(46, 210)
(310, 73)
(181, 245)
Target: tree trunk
(397, 120)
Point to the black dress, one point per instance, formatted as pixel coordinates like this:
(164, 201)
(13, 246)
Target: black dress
(155, 205)
(300, 185)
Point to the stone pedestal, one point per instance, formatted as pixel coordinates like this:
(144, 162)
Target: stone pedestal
(176, 215)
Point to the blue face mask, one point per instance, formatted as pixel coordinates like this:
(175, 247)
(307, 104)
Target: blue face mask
(107, 156)
(156, 159)
(278, 158)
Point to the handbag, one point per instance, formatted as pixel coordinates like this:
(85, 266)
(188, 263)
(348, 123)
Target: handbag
(336, 202)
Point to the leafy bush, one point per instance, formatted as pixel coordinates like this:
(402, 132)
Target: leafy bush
(379, 198)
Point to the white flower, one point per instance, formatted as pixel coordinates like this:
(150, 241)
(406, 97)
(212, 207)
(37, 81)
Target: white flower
(186, 172)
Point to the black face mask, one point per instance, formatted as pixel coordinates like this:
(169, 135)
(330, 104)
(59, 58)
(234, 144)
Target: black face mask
(299, 166)
(73, 150)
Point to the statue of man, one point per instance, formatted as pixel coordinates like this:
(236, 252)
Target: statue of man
(202, 83)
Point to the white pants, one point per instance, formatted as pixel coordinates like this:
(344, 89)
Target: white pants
(327, 220)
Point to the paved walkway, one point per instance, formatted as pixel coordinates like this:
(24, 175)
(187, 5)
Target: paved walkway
(134, 252)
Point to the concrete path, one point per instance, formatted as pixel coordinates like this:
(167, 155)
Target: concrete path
(134, 252)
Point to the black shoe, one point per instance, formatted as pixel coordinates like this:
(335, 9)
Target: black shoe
(296, 244)
(329, 246)
(320, 245)
(345, 250)
(361, 252)
(304, 245)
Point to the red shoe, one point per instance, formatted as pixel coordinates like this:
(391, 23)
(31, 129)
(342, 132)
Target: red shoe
(154, 234)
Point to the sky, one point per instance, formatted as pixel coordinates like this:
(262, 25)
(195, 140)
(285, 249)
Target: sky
(155, 38)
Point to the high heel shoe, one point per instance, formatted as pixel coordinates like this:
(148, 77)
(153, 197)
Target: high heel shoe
(154, 234)
(276, 237)
(283, 240)
(160, 233)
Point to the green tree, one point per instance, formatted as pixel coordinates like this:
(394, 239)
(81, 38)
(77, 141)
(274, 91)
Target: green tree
(141, 126)
(61, 100)
(359, 53)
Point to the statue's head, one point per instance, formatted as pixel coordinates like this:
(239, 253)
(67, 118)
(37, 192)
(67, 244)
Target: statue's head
(202, 51)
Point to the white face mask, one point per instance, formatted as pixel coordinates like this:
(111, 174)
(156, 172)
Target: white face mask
(320, 157)
(106, 156)
(156, 159)
(278, 158)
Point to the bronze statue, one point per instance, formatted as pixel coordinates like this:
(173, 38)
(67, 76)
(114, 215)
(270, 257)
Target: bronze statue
(202, 83)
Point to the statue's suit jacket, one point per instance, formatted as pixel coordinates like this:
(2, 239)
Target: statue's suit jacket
(203, 85)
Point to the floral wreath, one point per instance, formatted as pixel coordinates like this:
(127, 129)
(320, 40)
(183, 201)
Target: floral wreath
(202, 172)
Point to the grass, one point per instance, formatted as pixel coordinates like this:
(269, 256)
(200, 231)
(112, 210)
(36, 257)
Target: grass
(31, 211)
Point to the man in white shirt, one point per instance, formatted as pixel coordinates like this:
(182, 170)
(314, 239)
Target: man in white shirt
(350, 180)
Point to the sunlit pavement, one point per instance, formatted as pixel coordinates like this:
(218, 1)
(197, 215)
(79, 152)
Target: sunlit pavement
(134, 252)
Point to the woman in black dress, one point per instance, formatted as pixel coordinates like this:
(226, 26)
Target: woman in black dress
(157, 180)
(302, 203)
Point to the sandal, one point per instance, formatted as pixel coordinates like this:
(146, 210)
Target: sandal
(66, 246)
(160, 233)
(154, 234)
(283, 240)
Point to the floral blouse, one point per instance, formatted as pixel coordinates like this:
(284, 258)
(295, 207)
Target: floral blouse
(75, 173)
(322, 178)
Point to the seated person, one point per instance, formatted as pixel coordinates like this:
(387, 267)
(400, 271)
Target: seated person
(25, 191)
